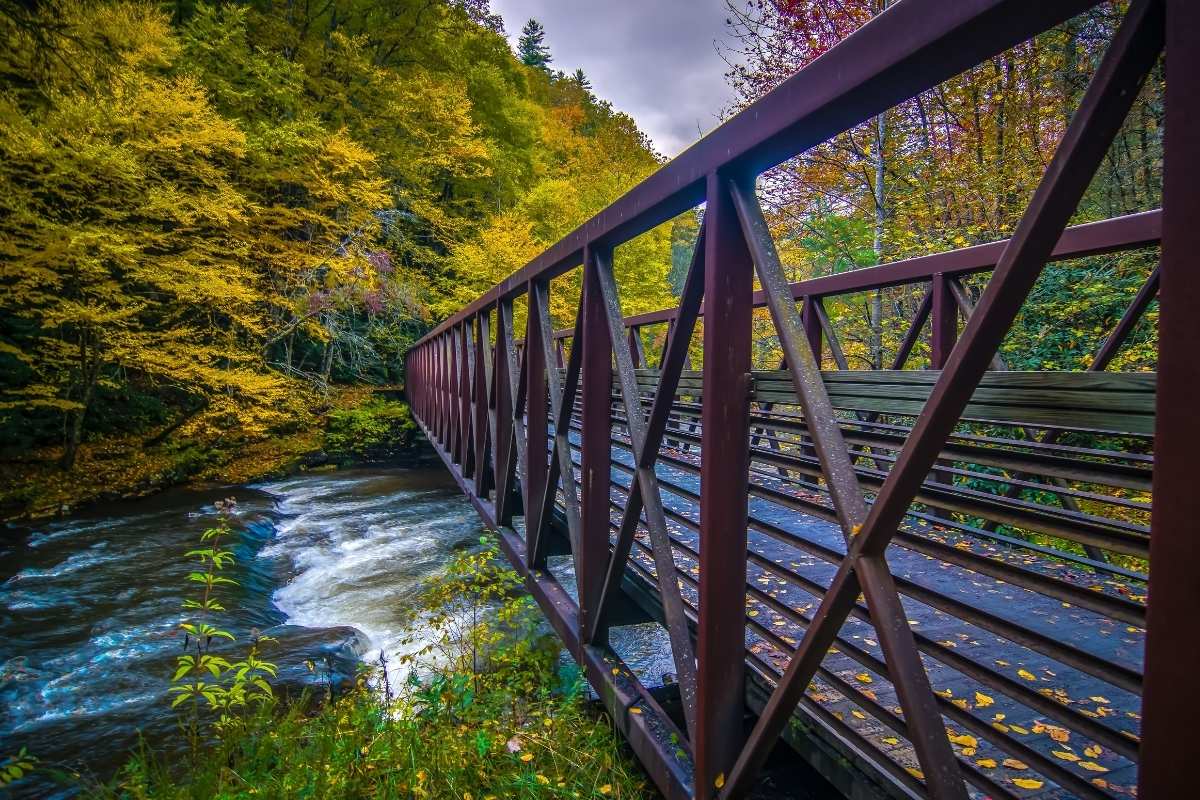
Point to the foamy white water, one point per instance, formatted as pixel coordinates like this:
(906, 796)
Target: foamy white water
(360, 547)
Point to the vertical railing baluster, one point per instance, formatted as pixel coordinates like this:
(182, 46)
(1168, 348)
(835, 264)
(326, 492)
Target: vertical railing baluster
(447, 392)
(455, 447)
(483, 461)
(595, 447)
(466, 451)
(812, 324)
(504, 421)
(724, 469)
(943, 323)
(636, 349)
(439, 382)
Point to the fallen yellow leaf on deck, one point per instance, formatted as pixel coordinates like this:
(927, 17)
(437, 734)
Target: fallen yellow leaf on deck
(1093, 751)
(1058, 734)
(986, 763)
(1027, 675)
(1065, 756)
(863, 677)
(1027, 783)
(1012, 763)
(1092, 766)
(982, 700)
(720, 781)
(966, 740)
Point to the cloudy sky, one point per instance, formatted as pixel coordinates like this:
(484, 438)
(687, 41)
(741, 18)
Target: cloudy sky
(654, 59)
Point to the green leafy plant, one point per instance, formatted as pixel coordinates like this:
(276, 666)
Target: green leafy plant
(489, 713)
(204, 677)
(15, 767)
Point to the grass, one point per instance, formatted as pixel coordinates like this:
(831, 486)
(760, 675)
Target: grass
(488, 712)
(542, 746)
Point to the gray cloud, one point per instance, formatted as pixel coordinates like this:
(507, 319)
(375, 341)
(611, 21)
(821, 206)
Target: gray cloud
(653, 59)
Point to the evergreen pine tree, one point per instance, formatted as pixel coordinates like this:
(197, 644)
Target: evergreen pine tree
(531, 47)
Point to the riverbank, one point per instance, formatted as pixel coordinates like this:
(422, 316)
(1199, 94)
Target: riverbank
(355, 425)
(500, 745)
(329, 563)
(478, 702)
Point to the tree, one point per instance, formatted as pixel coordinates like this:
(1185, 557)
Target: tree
(210, 213)
(480, 12)
(531, 47)
(581, 80)
(953, 166)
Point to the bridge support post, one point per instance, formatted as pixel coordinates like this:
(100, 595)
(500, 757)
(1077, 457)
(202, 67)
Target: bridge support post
(724, 468)
(595, 446)
(1173, 630)
(536, 466)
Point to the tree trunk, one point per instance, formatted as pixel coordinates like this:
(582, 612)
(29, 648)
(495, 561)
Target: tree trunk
(327, 361)
(877, 244)
(186, 416)
(89, 373)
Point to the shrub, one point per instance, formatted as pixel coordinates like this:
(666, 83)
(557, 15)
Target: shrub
(487, 714)
(373, 430)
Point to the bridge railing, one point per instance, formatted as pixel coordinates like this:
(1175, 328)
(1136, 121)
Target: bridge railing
(698, 486)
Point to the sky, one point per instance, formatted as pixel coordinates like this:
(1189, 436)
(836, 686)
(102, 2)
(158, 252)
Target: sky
(656, 60)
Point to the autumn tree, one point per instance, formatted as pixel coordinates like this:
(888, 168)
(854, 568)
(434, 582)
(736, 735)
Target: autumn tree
(953, 166)
(210, 215)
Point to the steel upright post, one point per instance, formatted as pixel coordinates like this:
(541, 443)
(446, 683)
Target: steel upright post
(1173, 627)
(724, 466)
(595, 448)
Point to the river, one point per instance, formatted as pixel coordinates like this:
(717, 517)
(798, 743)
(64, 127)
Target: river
(90, 605)
(328, 563)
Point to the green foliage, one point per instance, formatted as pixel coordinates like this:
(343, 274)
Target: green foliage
(372, 429)
(204, 679)
(531, 47)
(17, 766)
(487, 715)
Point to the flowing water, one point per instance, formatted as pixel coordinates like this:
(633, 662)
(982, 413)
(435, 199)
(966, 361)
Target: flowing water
(90, 605)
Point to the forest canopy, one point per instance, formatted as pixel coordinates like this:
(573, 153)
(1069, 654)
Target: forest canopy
(210, 213)
(214, 215)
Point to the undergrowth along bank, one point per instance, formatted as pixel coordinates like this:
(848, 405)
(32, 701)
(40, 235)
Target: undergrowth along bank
(486, 710)
(355, 425)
